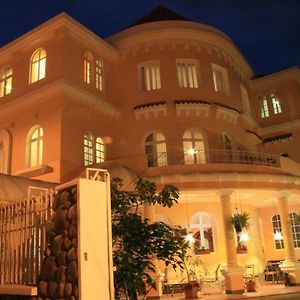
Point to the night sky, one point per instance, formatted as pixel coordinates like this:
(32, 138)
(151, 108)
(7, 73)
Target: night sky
(266, 31)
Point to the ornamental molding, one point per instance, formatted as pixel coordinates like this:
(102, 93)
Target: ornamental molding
(227, 114)
(192, 108)
(151, 110)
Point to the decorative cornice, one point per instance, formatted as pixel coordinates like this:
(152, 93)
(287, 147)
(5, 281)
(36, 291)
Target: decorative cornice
(150, 110)
(278, 139)
(192, 107)
(227, 114)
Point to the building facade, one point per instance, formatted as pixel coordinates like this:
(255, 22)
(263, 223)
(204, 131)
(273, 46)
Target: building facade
(170, 100)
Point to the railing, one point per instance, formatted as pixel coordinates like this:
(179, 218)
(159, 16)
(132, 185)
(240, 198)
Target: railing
(211, 157)
(23, 226)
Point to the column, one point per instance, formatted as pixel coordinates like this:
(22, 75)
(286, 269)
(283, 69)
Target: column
(149, 213)
(290, 263)
(233, 273)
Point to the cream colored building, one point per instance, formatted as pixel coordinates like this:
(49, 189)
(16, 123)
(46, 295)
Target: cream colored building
(173, 101)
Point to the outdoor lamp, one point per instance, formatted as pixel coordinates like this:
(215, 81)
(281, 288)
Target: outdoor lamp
(190, 238)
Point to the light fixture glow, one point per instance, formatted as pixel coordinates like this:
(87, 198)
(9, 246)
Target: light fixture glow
(190, 238)
(244, 237)
(278, 236)
(191, 151)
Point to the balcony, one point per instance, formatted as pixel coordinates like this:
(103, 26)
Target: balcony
(194, 157)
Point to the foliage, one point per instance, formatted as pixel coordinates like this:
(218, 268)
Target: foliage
(137, 242)
(240, 220)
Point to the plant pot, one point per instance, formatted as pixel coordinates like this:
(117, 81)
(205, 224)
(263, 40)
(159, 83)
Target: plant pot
(241, 250)
(191, 290)
(202, 251)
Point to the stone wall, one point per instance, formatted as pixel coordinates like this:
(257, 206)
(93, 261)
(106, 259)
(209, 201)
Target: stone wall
(59, 272)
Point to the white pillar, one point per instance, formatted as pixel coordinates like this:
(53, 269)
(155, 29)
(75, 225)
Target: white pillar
(232, 272)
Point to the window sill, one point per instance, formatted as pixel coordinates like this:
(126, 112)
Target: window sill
(34, 171)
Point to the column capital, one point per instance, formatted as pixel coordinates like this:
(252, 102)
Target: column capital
(225, 192)
(283, 194)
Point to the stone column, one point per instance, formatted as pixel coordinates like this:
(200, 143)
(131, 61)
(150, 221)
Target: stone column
(232, 272)
(149, 213)
(290, 263)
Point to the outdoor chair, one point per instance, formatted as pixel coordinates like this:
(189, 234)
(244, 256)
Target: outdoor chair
(213, 282)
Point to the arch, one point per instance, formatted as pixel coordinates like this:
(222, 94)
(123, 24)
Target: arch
(6, 76)
(193, 147)
(88, 149)
(5, 151)
(37, 65)
(34, 147)
(156, 149)
(203, 226)
(87, 67)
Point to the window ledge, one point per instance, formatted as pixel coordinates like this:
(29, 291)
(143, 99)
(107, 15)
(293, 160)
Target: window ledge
(34, 171)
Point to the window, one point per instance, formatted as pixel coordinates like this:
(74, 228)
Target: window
(6, 81)
(193, 147)
(99, 150)
(37, 65)
(220, 77)
(88, 149)
(99, 75)
(264, 109)
(187, 74)
(87, 67)
(156, 150)
(275, 104)
(227, 142)
(35, 147)
(150, 76)
(202, 228)
(245, 100)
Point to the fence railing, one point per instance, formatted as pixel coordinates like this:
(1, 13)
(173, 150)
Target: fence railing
(212, 156)
(23, 226)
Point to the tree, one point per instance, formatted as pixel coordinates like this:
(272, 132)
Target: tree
(137, 242)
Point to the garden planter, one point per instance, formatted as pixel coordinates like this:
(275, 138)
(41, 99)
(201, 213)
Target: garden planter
(191, 289)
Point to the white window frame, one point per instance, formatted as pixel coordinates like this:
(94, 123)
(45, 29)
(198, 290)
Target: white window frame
(153, 147)
(88, 149)
(99, 75)
(6, 76)
(99, 150)
(88, 67)
(187, 73)
(38, 62)
(264, 107)
(149, 75)
(35, 139)
(220, 79)
(275, 104)
(193, 147)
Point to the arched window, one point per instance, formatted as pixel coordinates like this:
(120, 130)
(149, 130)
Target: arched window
(276, 104)
(87, 67)
(193, 147)
(6, 81)
(156, 150)
(99, 75)
(99, 150)
(202, 228)
(88, 149)
(264, 108)
(37, 65)
(295, 225)
(35, 146)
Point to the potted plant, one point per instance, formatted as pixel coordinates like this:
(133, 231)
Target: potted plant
(240, 222)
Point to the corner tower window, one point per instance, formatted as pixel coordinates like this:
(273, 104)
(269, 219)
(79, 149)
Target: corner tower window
(220, 77)
(99, 75)
(38, 65)
(156, 150)
(87, 67)
(150, 76)
(193, 147)
(276, 104)
(88, 149)
(5, 81)
(187, 73)
(35, 145)
(264, 108)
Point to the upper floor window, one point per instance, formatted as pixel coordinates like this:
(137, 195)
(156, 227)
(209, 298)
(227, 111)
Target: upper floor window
(245, 100)
(99, 75)
(277, 228)
(193, 147)
(99, 150)
(156, 150)
(88, 146)
(6, 81)
(276, 104)
(187, 73)
(38, 65)
(264, 108)
(202, 227)
(34, 147)
(150, 76)
(220, 77)
(87, 67)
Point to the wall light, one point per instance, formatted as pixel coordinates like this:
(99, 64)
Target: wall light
(278, 236)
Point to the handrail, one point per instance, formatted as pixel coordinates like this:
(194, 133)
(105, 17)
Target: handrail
(212, 157)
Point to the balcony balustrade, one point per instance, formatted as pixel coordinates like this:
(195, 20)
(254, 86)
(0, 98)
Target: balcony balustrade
(212, 157)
